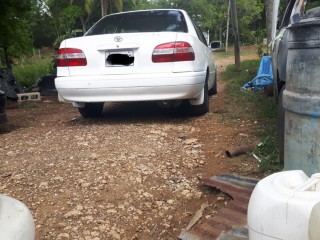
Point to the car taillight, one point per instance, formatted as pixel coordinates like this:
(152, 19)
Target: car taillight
(71, 57)
(173, 52)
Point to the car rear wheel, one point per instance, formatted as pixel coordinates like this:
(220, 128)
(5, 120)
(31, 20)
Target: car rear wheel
(91, 110)
(203, 108)
(281, 120)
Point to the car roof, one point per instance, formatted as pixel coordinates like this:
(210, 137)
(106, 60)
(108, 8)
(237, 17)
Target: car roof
(148, 10)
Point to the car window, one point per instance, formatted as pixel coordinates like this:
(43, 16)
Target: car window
(199, 33)
(287, 14)
(145, 21)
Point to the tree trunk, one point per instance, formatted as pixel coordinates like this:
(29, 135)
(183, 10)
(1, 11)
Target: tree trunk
(234, 16)
(276, 4)
(104, 7)
(83, 23)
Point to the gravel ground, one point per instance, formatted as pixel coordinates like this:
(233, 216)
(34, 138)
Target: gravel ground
(131, 174)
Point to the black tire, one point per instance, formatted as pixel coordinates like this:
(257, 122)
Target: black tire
(281, 128)
(213, 90)
(203, 108)
(91, 110)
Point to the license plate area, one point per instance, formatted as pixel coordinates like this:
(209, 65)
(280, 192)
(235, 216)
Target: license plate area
(119, 58)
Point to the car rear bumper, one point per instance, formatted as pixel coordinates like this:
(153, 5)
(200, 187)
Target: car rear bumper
(119, 88)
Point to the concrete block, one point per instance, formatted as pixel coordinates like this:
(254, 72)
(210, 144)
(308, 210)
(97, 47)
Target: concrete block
(33, 96)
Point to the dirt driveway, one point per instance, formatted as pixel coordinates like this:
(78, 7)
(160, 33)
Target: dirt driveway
(131, 174)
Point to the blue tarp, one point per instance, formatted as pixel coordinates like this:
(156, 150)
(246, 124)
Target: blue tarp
(264, 77)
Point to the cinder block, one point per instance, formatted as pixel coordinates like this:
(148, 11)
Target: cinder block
(33, 96)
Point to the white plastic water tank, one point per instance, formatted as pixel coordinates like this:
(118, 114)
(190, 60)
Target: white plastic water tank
(286, 206)
(16, 222)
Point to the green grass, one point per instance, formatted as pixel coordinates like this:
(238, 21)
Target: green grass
(244, 51)
(225, 54)
(28, 71)
(256, 106)
(28, 104)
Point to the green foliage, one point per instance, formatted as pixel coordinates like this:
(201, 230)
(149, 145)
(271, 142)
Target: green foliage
(27, 104)
(69, 34)
(65, 19)
(70, 16)
(259, 108)
(252, 99)
(250, 13)
(136, 4)
(28, 71)
(43, 28)
(208, 14)
(260, 35)
(15, 25)
(248, 71)
(25, 24)
(268, 152)
(212, 15)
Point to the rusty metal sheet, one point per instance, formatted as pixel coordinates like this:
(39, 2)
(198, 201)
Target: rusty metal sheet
(230, 222)
(235, 233)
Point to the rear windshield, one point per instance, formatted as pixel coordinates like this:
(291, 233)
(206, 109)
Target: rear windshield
(144, 21)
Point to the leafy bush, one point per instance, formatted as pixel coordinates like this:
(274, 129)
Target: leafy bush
(27, 72)
(28, 104)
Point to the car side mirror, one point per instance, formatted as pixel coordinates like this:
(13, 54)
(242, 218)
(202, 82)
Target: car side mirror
(214, 45)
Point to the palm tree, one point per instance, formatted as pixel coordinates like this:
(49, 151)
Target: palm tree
(88, 7)
(104, 6)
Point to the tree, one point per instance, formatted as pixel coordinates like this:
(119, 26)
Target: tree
(250, 14)
(15, 25)
(22, 21)
(234, 16)
(89, 7)
(72, 17)
(104, 6)
(212, 15)
(42, 27)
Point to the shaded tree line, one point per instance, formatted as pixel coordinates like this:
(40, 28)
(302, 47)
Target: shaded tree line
(28, 24)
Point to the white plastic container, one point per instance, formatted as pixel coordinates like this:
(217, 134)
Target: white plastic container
(286, 206)
(16, 222)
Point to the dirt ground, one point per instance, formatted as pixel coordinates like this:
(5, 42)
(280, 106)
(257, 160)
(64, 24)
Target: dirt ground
(131, 174)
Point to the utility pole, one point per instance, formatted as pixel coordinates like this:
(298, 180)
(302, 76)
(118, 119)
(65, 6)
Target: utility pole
(274, 18)
(228, 23)
(235, 27)
(269, 9)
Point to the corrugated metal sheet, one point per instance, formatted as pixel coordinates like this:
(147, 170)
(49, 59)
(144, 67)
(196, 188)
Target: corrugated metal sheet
(230, 222)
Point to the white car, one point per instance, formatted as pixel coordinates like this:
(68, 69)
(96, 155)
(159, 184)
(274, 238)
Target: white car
(149, 55)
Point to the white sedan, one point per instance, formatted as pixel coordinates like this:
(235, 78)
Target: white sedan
(149, 55)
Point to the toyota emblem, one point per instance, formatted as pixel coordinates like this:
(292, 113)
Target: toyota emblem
(117, 39)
